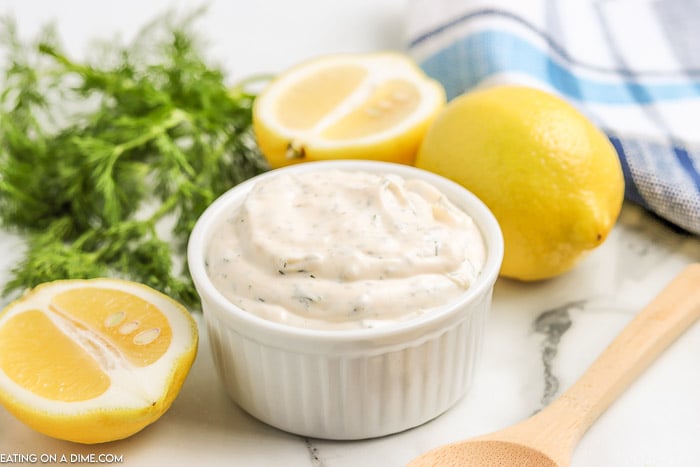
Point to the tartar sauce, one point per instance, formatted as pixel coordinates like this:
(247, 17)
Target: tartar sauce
(343, 250)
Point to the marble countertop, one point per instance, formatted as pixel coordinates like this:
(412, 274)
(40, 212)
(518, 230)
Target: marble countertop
(540, 337)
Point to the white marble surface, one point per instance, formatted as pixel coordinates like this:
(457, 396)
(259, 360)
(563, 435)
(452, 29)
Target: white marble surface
(540, 337)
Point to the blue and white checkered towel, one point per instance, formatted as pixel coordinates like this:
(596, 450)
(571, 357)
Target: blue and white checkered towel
(632, 66)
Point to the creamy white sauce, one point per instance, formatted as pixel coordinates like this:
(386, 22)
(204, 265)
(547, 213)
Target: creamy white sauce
(343, 250)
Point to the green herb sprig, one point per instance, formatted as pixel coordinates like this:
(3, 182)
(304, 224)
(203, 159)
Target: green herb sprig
(155, 135)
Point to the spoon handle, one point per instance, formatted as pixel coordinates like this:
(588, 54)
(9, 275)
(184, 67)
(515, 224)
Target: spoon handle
(642, 340)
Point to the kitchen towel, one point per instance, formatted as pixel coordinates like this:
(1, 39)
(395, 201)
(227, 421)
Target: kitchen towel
(632, 66)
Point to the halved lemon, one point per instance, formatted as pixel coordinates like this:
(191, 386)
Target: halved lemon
(94, 360)
(349, 106)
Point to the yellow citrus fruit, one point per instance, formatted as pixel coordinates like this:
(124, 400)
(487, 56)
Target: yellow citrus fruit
(348, 106)
(95, 360)
(550, 176)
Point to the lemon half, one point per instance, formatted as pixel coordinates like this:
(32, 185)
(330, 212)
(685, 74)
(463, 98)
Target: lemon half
(92, 361)
(351, 106)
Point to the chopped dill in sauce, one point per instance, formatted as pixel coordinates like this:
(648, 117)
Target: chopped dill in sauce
(343, 250)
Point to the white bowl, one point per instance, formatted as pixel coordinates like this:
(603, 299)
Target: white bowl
(348, 384)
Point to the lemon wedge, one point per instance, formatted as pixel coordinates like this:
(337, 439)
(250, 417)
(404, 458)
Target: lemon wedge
(95, 360)
(349, 106)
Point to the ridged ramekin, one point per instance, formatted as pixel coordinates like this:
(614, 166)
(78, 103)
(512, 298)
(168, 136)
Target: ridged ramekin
(348, 384)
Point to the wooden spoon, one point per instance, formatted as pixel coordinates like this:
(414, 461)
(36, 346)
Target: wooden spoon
(548, 438)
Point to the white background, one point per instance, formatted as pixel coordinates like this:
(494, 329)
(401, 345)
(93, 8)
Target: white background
(245, 37)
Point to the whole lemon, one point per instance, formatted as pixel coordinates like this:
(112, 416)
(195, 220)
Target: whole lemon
(550, 176)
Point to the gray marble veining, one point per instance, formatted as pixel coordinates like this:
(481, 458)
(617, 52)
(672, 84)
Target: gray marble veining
(553, 324)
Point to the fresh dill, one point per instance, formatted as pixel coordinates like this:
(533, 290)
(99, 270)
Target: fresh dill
(95, 158)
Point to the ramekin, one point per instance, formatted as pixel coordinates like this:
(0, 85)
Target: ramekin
(349, 384)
